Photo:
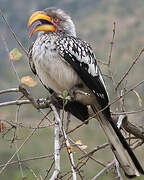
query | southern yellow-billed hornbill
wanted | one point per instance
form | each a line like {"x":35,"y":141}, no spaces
{"x":62,"y":61}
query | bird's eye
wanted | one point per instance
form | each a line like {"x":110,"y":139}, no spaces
{"x":56,"y":20}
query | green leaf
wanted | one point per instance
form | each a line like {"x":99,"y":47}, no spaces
{"x":65,"y":93}
{"x":66,"y":101}
{"x":68,"y":98}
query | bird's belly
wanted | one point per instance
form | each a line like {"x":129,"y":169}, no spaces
{"x":56,"y":75}
{"x":59,"y":76}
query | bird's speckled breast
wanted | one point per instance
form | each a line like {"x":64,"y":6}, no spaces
{"x":52,"y":70}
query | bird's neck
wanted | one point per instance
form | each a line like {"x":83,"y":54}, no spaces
{"x":55,"y":34}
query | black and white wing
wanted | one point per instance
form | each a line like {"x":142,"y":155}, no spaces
{"x":82,"y":59}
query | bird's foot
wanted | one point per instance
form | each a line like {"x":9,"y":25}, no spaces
{"x":82,"y":93}
{"x":74,"y":91}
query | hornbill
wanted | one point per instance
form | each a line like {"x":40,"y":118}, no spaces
{"x":62,"y":61}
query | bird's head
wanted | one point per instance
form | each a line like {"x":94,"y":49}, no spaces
{"x":51,"y":20}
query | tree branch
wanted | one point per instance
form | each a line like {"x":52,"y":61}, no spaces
{"x":12,"y":33}
{"x":56,"y":150}
{"x":66,"y":140}
{"x":134,"y":62}
{"x":112,"y":43}
{"x":28,"y":159}
{"x":103,"y":170}
{"x":9,"y":90}
{"x":132,"y":129}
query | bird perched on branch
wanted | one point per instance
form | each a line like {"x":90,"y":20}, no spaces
{"x":62,"y":61}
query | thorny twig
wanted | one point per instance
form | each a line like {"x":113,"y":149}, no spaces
{"x":49,"y":170}
{"x":33,"y":173}
{"x":89,"y":156}
{"x":118,"y":98}
{"x":14,"y":124}
{"x":11,"y":62}
{"x":12,"y":33}
{"x":28,"y":159}
{"x":103,"y":170}
{"x":127,"y":112}
{"x":112,"y":42}
{"x":15,"y":142}
{"x":94,"y":150}
{"x":134,"y":62}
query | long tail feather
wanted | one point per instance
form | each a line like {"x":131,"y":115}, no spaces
{"x":120,"y":147}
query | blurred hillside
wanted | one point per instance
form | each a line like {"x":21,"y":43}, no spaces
{"x":94,"y":23}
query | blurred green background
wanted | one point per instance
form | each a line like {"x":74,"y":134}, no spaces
{"x":94,"y":23}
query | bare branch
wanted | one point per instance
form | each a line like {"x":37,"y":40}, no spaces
{"x":103,"y":170}
{"x":17,"y":102}
{"x":70,"y":154}
{"x":132,"y":129}
{"x":138,"y":144}
{"x":89,"y":156}
{"x":33,"y":173}
{"x":14,"y":124}
{"x":118,"y":169}
{"x":94,"y":150}
{"x":134,"y":62}
{"x":118,"y":98}
{"x":49,"y":170}
{"x":12,"y":33}
{"x":37,"y":103}
{"x":41,"y":103}
{"x":111,"y":48}
{"x":25,"y":90}
{"x":112,"y":43}
{"x":56,"y":145}
{"x":128,"y":112}
{"x":9,"y":90}
{"x":28,"y":159}
{"x":15,"y":141}
{"x":11,"y":62}
{"x":66,"y":140}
